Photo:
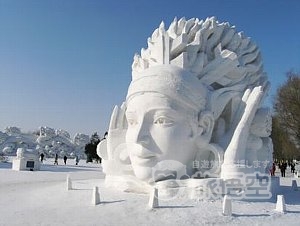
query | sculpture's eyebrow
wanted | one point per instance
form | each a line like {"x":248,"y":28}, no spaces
{"x":165,"y":111}
{"x":153,"y":109}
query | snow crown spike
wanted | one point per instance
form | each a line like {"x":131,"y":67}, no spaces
{"x":202,"y":47}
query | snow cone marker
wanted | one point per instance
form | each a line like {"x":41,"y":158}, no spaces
{"x":153,"y":200}
{"x":96,"y":196}
{"x":69,"y":183}
{"x":227,"y":206}
{"x":280,"y":205}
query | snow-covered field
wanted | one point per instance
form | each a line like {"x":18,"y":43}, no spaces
{"x":41,"y":198}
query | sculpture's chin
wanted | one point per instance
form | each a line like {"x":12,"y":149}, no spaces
{"x":143,"y":173}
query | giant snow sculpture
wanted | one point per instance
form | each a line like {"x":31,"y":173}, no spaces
{"x":193,"y":109}
{"x":49,"y":141}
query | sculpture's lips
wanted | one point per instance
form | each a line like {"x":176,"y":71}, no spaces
{"x":141,"y":156}
{"x":140,"y":151}
{"x":145,"y":162}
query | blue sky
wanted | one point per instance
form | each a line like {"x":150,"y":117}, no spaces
{"x":66,"y":63}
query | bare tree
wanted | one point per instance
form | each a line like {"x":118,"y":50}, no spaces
{"x":284,"y":148}
{"x":287,"y":112}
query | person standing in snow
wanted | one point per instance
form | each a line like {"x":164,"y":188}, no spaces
{"x":76,"y":159}
{"x":273,"y":169}
{"x":292,"y":167}
{"x":42,"y":157}
{"x":283,"y":166}
{"x":56,"y":159}
{"x":65,"y":159}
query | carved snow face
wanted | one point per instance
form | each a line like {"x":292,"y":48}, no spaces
{"x":158,"y":130}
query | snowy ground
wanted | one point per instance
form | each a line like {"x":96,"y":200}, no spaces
{"x":41,"y":198}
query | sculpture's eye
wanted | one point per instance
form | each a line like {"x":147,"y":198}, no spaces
{"x":162,"y":120}
{"x":131,"y":118}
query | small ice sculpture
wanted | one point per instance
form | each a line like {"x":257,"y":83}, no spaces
{"x":27,"y":159}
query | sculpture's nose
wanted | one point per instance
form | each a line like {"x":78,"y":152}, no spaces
{"x":143,"y":133}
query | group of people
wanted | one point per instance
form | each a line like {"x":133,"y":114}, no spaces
{"x":282,"y":165}
{"x":42,"y":156}
{"x":65,"y":159}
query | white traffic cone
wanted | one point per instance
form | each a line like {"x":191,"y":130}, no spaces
{"x":153,"y":199}
{"x":280,"y":205}
{"x":227,"y":206}
{"x":294,"y":185}
{"x":96,"y":196}
{"x":69,"y":183}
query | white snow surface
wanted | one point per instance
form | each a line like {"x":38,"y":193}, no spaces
{"x":41,"y":198}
